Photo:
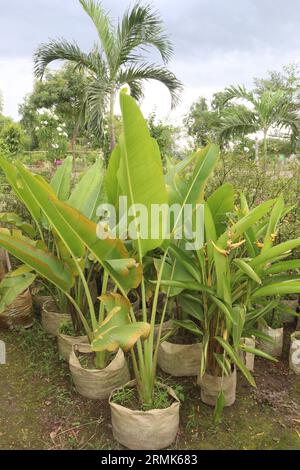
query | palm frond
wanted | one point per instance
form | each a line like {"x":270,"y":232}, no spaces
{"x":142,"y":27}
{"x":237,"y":92}
{"x":60,"y":49}
{"x":105,"y":29}
{"x":96,"y":104}
{"x":137,"y":73}
{"x":236,"y":122}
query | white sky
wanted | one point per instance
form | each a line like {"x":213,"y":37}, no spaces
{"x":217,"y":43}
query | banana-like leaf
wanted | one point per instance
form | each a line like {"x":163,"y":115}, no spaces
{"x":188,"y":325}
{"x":257,"y":352}
{"x":16,"y":183}
{"x":193,"y":286}
{"x":116,"y":331}
{"x":185,"y":261}
{"x":175,"y":272}
{"x":220,"y":203}
{"x":278,"y":288}
{"x":246,"y":269}
{"x":272,"y":253}
{"x":44,"y":263}
{"x":283,"y":266}
{"x":88,"y":193}
{"x":127,"y":272}
{"x":61,"y":181}
{"x":12,"y":286}
{"x":140,"y":173}
{"x":15,"y":220}
{"x":44,"y":197}
{"x":275,"y":217}
{"x":108,"y":252}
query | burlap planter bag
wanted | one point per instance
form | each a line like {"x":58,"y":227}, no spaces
{"x":40,"y":300}
{"x":248,"y":358}
{"x":145,"y":430}
{"x":274,"y":348}
{"x":97,"y":384}
{"x":294,"y":360}
{"x":65,"y":344}
{"x":211,"y":387}
{"x":19,"y":314}
{"x":180,"y":360}
{"x":52,"y":320}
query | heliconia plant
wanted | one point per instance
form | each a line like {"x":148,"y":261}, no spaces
{"x":234,"y":280}
{"x":126,"y":176}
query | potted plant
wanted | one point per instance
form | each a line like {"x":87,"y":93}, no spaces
{"x":78,"y":245}
{"x":56,"y":307}
{"x":294,"y":357}
{"x":15,"y":299}
{"x":272,"y":326}
{"x":231,"y":273}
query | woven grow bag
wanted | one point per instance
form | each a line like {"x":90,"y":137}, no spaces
{"x":97,"y":384}
{"x":52,"y":320}
{"x":19,"y":313}
{"x":145,"y":430}
{"x":211,"y":387}
{"x":180,"y":360}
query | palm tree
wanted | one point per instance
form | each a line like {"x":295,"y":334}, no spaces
{"x":269,"y":109}
{"x":118,"y":60}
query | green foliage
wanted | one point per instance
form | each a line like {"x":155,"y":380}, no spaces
{"x":12,"y":137}
{"x":164,"y":134}
{"x":274,"y":319}
{"x":116,"y":61}
{"x":52,"y":136}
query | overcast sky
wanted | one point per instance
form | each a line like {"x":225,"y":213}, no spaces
{"x":217,"y":42}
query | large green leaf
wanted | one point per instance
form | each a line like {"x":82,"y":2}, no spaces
{"x":12,"y":286}
{"x":277,"y":268}
{"x":245,"y":268}
{"x":61,"y":181}
{"x":272,"y":253}
{"x":23,"y":195}
{"x":278,"y":288}
{"x":43,"y":196}
{"x":14,"y":219}
{"x":175,"y":272}
{"x":88,"y":193}
{"x":140,"y":173}
{"x":41,"y":261}
{"x":220,"y":203}
{"x":275,"y":217}
{"x":116,"y":331}
{"x":108,"y":251}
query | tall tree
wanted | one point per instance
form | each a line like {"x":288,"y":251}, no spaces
{"x":61,"y":91}
{"x":264,"y":111}
{"x":118,"y":59}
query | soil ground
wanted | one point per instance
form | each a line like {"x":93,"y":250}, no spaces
{"x":39,"y":407}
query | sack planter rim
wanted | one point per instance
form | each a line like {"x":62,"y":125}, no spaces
{"x":151,"y":437}
{"x":97,"y":384}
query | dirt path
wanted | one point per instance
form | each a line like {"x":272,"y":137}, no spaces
{"x":39,"y":408}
